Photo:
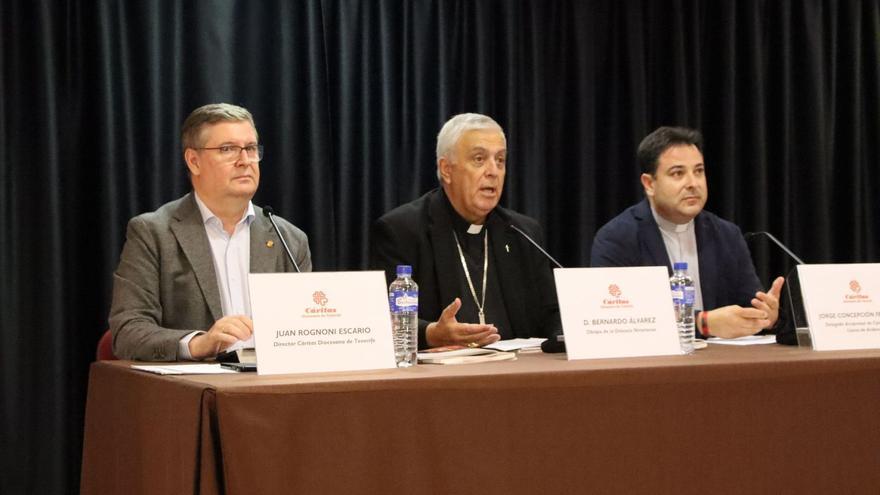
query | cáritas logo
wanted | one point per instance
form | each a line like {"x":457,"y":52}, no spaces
{"x":321,"y":309}
{"x":320,"y":298}
{"x":617,"y":300}
{"x":855,"y":295}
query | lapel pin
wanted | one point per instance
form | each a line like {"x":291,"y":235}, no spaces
{"x":507,"y":247}
{"x":270,"y":243}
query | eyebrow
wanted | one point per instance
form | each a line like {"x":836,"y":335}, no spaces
{"x":682,"y":165}
{"x":233,"y":143}
{"x":485,"y":150}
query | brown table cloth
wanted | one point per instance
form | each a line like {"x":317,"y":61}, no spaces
{"x":757,"y":419}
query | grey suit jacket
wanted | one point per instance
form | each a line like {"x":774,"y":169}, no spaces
{"x":165,"y":286}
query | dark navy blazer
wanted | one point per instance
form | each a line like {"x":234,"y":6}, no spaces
{"x":727,"y":274}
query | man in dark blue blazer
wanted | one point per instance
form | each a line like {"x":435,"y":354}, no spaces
{"x":670,"y":225}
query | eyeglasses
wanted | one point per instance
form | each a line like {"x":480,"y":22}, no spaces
{"x":231,"y":152}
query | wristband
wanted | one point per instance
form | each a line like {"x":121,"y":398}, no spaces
{"x":704,"y":328}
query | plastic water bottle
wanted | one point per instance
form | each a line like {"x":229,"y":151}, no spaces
{"x":403,"y":297}
{"x":683,"y":294}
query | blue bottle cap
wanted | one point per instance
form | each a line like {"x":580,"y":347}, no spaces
{"x":678,"y":265}
{"x":404,"y":270}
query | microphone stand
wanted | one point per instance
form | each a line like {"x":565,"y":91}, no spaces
{"x":269,"y":213}
{"x":556,"y":343}
{"x":796,"y":304}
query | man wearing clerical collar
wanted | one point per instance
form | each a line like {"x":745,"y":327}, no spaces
{"x":479,"y":280}
{"x":670,"y":225}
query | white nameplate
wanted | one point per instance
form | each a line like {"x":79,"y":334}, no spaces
{"x":616,"y":312}
{"x":321,"y":321}
{"x":842,"y":303}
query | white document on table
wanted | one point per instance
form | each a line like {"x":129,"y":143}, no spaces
{"x":517,"y":344}
{"x":183,"y":369}
{"x":241,"y":344}
{"x":747,"y":340}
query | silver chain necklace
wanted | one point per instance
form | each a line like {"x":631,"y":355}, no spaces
{"x":467,"y":274}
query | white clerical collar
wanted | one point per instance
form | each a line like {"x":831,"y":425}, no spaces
{"x":671,"y":227}
{"x":475,"y":229}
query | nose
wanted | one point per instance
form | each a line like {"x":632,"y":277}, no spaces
{"x":242,"y":160}
{"x":492,"y":167}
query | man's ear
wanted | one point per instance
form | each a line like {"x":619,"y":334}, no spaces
{"x":648,"y":184}
{"x":445,"y":168}
{"x":191,"y":157}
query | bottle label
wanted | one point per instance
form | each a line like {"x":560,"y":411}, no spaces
{"x":690,"y":294}
{"x":683,"y":294}
{"x":404,"y":301}
{"x":677,"y":294}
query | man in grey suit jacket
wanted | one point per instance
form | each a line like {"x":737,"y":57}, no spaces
{"x":180,"y":291}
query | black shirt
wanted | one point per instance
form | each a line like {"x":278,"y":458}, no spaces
{"x":472,"y":247}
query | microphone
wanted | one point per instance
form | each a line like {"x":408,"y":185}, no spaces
{"x":749,"y":235}
{"x":789,"y":332}
{"x":556,"y":343}
{"x":268,"y":212}
{"x":545,"y":253}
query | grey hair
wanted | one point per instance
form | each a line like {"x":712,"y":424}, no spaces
{"x":453,"y":129}
{"x":191,"y":133}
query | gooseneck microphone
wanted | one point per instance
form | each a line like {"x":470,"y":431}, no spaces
{"x":268,"y":212}
{"x":789,"y":331}
{"x":749,"y":235}
{"x":556,"y":343}
{"x":545,"y":253}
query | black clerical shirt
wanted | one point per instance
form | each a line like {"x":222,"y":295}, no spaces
{"x":472,"y":246}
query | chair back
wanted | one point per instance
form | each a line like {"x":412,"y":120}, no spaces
{"x":105,"y":348}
